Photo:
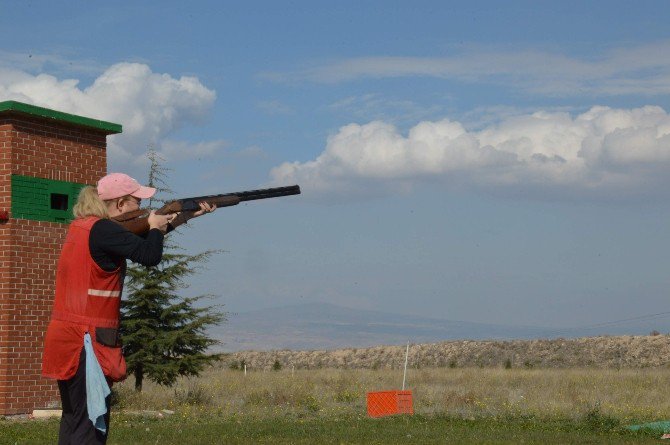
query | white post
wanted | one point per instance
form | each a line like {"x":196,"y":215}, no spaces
{"x":404,"y":374}
{"x":245,"y":369}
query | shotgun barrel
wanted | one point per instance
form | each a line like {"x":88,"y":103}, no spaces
{"x":136,"y":221}
{"x":227,"y":199}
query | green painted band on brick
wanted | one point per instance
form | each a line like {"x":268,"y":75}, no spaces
{"x":20,"y":107}
{"x":32,"y":198}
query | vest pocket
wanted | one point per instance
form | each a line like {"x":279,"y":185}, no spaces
{"x":108,"y":337}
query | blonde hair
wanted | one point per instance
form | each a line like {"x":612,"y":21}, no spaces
{"x":90,"y":204}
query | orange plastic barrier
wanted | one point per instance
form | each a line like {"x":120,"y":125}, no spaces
{"x":386,"y":403}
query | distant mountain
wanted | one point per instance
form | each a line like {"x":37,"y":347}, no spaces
{"x":328,"y":326}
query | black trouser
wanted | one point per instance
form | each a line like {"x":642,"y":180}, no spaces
{"x":75,"y":426}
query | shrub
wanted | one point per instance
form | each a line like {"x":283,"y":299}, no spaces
{"x":346,"y":396}
{"x":597,"y":421}
{"x":311,"y":404}
{"x":194,"y":394}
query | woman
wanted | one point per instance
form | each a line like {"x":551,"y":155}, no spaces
{"x":86,"y":310}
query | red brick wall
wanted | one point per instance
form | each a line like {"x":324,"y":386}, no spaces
{"x":29,"y":250}
{"x":5,"y":265}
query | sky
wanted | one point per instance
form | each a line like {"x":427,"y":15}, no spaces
{"x":497,"y":162}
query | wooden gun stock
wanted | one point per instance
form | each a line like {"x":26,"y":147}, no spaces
{"x":137,"y":220}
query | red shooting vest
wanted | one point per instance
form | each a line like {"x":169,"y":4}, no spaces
{"x":87,"y":297}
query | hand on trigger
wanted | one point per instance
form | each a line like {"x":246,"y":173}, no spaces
{"x":159,"y":222}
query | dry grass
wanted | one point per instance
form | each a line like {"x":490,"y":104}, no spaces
{"x":602,"y":352}
{"x":628,"y":395}
{"x":623,"y":378}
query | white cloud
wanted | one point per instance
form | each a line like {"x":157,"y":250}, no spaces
{"x":149,"y":105}
{"x":603,"y":150}
{"x":644,"y":69}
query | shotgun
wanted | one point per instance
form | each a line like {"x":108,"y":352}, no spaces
{"x":136,"y":221}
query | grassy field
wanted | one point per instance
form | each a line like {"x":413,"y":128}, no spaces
{"x":463,"y":405}
{"x":628,"y":395}
{"x":415,"y":429}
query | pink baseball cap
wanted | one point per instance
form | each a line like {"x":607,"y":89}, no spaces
{"x":116,"y":185}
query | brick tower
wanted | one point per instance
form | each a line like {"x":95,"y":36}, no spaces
{"x":46,"y":157}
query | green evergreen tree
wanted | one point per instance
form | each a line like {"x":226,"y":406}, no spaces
{"x":164,"y":334}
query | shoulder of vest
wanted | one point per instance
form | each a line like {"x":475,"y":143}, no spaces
{"x":85,"y":223}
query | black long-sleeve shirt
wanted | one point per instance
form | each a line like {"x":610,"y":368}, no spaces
{"x":110,"y":244}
